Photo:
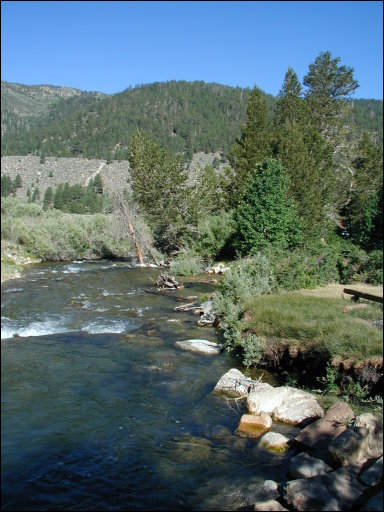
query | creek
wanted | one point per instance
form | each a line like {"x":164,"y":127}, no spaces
{"x":100,"y":411}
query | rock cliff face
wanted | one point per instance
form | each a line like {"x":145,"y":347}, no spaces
{"x":60,"y":170}
{"x":75,"y":170}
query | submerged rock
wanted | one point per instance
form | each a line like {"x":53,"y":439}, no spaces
{"x":201,"y":346}
{"x":275,"y":441}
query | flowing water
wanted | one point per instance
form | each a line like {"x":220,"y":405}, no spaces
{"x":100,"y":411}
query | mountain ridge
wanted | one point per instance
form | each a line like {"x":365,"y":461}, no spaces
{"x":187,"y":117}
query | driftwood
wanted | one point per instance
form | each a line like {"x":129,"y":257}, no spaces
{"x":187,"y":307}
{"x":186,"y":299}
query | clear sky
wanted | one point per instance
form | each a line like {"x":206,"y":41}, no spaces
{"x":109,"y":46}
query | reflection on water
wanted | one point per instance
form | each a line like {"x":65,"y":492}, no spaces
{"x":101,"y":412}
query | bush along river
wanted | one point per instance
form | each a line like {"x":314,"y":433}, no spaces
{"x":100,"y":410}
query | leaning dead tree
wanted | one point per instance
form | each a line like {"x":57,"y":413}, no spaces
{"x":129,"y":221}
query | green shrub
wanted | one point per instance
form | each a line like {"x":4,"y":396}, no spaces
{"x":305,"y":267}
{"x":246,"y":279}
{"x":372,"y":268}
{"x":214,"y":233}
{"x":186,"y":264}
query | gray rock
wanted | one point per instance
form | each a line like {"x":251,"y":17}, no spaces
{"x":320,"y":433}
{"x":337,"y":490}
{"x":234,"y":383}
{"x":305,"y":466}
{"x":201,"y":346}
{"x":375,"y":436}
{"x":350,"y":447}
{"x":374,"y":474}
{"x":286,"y":404}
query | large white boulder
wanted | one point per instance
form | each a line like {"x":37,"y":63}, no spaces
{"x":286,"y":404}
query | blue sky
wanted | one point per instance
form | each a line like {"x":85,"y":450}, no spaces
{"x":108,"y":46}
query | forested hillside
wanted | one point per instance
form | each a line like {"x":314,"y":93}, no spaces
{"x":22,"y":106}
{"x":186,"y":117}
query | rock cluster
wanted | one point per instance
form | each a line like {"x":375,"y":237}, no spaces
{"x":337,"y":458}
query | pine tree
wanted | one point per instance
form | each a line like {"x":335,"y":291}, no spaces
{"x":159,"y":186}
{"x":328,"y":89}
{"x":303,"y":154}
{"x":48,"y":198}
{"x":253,"y":145}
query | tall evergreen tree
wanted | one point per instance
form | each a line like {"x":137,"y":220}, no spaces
{"x":289,"y":104}
{"x":253,"y":145}
{"x":302,"y":152}
{"x":159,"y":186}
{"x":48,"y":198}
{"x":329,"y":86}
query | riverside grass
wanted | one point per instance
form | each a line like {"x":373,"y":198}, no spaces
{"x":316,"y":324}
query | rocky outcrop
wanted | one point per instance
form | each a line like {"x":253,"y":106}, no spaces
{"x":338,"y":490}
{"x":320,"y":433}
{"x":337,"y":459}
{"x":208,"y":317}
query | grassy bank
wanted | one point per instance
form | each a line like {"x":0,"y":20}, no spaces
{"x":306,"y":339}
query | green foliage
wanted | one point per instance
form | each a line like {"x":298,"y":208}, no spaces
{"x":9,"y":186}
{"x":247,"y":278}
{"x":214,"y":233}
{"x":159,"y":187}
{"x":186,"y":263}
{"x":329,"y":382}
{"x":363,"y":214}
{"x":313,"y":264}
{"x":53,"y":235}
{"x":48,"y":198}
{"x":253,"y":145}
{"x":78,"y":199}
{"x":266,"y":215}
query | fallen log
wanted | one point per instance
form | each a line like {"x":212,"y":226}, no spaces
{"x":362,"y":295}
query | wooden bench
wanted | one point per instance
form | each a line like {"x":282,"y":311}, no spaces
{"x":362,"y":295}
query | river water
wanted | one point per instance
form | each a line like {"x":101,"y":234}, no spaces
{"x":100,"y":411}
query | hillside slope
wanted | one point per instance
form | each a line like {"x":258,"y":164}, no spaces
{"x":23,"y":105}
